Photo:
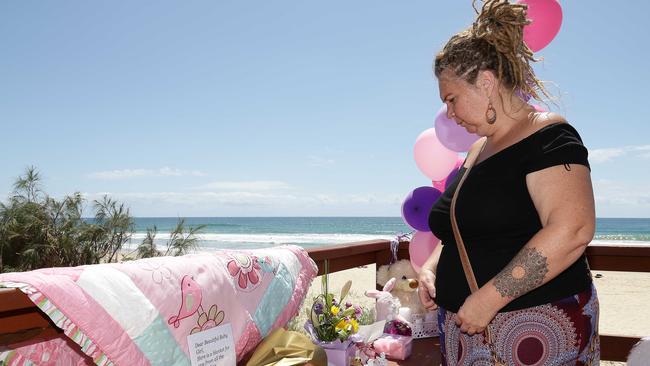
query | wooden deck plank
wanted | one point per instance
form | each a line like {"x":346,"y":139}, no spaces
{"x":425,"y":352}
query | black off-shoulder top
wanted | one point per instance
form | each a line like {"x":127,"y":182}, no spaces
{"x":496,"y":218}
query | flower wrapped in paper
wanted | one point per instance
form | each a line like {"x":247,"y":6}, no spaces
{"x":333,"y":324}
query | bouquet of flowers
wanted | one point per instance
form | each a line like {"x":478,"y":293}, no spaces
{"x":332,"y":319}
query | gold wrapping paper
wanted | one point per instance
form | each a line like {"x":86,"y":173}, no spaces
{"x":286,"y":348}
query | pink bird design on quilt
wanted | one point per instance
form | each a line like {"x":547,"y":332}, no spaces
{"x":190,"y":302}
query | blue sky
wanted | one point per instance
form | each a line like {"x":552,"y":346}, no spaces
{"x":225,"y":108}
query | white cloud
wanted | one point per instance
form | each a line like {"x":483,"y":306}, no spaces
{"x":609,"y":154}
{"x":254,"y":203}
{"x":166,"y":171}
{"x":621,"y":199}
{"x":134,"y":173}
{"x":120,"y":174}
{"x":603,"y":155}
{"x":361,"y":199}
{"x":257,"y":186}
{"x":246,"y":198}
{"x":318,"y":161}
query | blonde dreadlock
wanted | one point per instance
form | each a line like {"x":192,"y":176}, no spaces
{"x":494,"y":42}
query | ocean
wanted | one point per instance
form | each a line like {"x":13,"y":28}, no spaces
{"x":264,"y":232}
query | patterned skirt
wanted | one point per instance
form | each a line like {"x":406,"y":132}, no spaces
{"x":564,"y":332}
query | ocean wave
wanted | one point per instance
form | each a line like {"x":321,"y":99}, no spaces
{"x":222,"y":225}
{"x":623,"y":237}
{"x":210,"y":241}
{"x":612,"y":241}
{"x":273,"y":239}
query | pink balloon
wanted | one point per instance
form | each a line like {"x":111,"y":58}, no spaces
{"x":546,"y":20}
{"x":421,"y":247}
{"x":439,"y":185}
{"x":451,"y":135}
{"x":432,"y":157}
{"x":539,"y":108}
{"x":442,"y":184}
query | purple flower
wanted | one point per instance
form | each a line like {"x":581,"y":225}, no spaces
{"x":334,"y":302}
{"x":348,"y":304}
{"x":357,"y":309}
{"x":318,"y":308}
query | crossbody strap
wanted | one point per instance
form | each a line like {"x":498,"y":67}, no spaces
{"x":464,"y":259}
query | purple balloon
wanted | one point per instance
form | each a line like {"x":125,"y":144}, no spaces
{"x":451,"y":135}
{"x":524,"y":96}
{"x":417,"y":205}
{"x":450,"y":178}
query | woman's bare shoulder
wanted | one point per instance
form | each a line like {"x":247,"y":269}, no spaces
{"x":543,"y":119}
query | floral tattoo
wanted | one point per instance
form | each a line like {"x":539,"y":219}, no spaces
{"x":525,"y":272}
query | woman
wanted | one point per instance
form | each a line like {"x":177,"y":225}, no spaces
{"x":525,"y":211}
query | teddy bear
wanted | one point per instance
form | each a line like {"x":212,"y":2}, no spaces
{"x":406,"y":285}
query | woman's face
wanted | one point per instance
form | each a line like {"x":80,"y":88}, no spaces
{"x":466,"y":103}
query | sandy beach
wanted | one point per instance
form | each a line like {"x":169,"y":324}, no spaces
{"x":624,"y":298}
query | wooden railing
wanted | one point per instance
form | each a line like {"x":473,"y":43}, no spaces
{"x":21,"y":320}
{"x":603,"y":257}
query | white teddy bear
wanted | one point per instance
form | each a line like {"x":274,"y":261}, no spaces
{"x":406,"y":285}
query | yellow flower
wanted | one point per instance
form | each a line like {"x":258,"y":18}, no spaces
{"x":334,"y":310}
{"x":355,"y":325}
{"x":341,"y":325}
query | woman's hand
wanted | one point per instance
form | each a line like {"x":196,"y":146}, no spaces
{"x":476,"y":313}
{"x":427,"y":289}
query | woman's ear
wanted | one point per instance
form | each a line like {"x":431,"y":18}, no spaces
{"x":486,"y":82}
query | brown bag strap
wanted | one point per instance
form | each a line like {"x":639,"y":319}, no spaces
{"x":464,"y":259}
{"x":467,"y":267}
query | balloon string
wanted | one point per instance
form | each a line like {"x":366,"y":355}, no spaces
{"x":394,"y":245}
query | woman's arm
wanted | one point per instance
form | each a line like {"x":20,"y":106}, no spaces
{"x":565,"y":204}
{"x":427,"y":279}
{"x":432,"y":262}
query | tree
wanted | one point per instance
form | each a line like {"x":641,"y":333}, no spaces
{"x":3,"y":234}
{"x":147,"y":248}
{"x":117,"y":224}
{"x":38,"y":231}
{"x":28,"y":188}
{"x":181,"y":241}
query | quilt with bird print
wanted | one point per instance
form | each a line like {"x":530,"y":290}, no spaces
{"x":141,"y":312}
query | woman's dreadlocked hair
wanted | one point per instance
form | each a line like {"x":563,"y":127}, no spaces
{"x":494,"y":42}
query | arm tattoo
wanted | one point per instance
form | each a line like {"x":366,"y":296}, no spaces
{"x":525,"y":272}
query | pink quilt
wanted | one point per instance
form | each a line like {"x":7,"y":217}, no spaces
{"x":141,"y":312}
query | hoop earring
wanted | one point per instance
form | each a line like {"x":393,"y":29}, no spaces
{"x":491,"y":114}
